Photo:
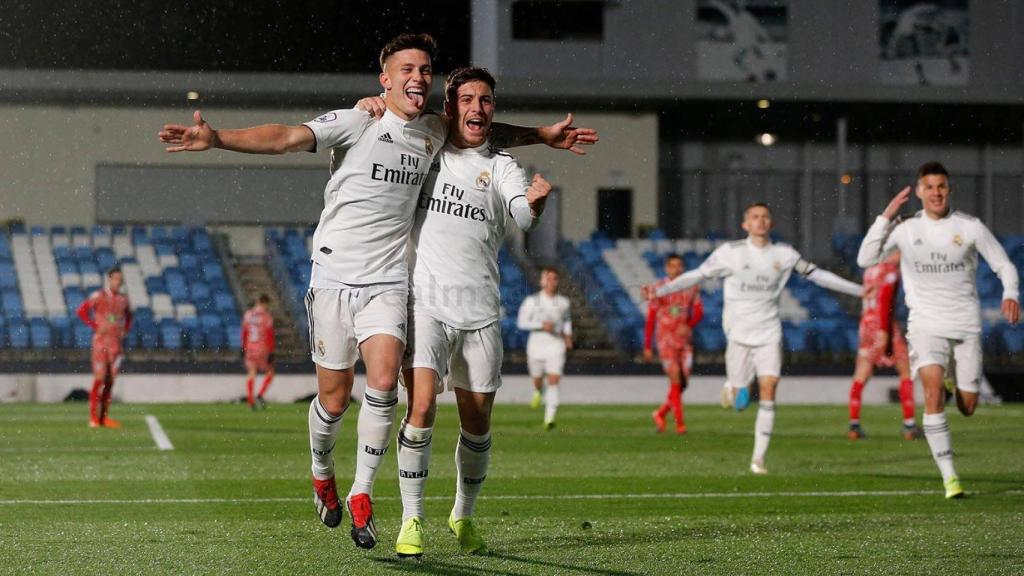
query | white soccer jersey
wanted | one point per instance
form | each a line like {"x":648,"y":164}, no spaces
{"x":754,"y":280}
{"x":539,"y":308}
{"x":939,"y":263}
{"x":459,"y":227}
{"x":377,"y":169}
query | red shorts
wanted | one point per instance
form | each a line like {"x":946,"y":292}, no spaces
{"x":106,"y":360}
{"x":259,"y":361}
{"x":677,"y":359}
{"x":877,"y":349}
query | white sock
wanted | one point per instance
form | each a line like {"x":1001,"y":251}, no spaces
{"x":763,"y":429}
{"x":413,"y":467}
{"x":472,"y":455}
{"x":550,"y":403}
{"x":936,"y":430}
{"x":323,"y":431}
{"x":376,"y":422}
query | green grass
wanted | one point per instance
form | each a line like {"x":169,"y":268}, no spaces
{"x":258,"y":466}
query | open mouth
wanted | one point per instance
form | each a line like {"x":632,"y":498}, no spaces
{"x":475,"y":125}
{"x":416,"y":95}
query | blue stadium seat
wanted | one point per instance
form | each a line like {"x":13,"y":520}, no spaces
{"x":18,"y":335}
{"x":83,"y":335}
{"x":40,"y":333}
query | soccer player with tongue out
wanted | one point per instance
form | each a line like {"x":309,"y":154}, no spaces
{"x":357,"y":299}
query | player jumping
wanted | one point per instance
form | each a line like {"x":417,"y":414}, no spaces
{"x":547,"y":316}
{"x":939,"y":250}
{"x":882,"y":344}
{"x":109,"y":314}
{"x":258,"y":346}
{"x":675,"y":316}
{"x":756,"y":271}
{"x":357,"y":301}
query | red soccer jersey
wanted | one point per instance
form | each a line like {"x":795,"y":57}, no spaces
{"x":881,"y":281}
{"x":675,"y":315}
{"x":109,"y":315}
{"x":257,"y":332}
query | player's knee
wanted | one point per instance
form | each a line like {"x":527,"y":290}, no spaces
{"x":421,"y":413}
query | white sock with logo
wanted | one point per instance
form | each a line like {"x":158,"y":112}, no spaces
{"x":413,"y":467}
{"x":472,"y":456}
{"x":936,"y":430}
{"x":376,"y":422}
{"x":323,"y":432}
{"x":550,"y":403}
{"x":763,"y":429}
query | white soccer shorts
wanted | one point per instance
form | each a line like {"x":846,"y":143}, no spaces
{"x":541,"y":360}
{"x":743,"y":363}
{"x":342,"y":319}
{"x":926,"y":350}
{"x":467,"y":359}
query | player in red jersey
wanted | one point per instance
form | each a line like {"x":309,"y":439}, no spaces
{"x":258,"y":346}
{"x":675,"y":316}
{"x":107,"y":312}
{"x":882,"y":344}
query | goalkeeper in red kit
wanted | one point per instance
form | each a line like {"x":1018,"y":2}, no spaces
{"x":258,"y":346}
{"x":674,"y":316}
{"x":108,"y":313}
{"x":882,"y":344}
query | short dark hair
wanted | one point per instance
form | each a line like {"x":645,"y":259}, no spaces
{"x":263,"y":299}
{"x":931,"y":168}
{"x":464,"y":75}
{"x":757,"y":205}
{"x":113,"y":270}
{"x":673,"y":256}
{"x":424,"y":42}
{"x":550,"y":269}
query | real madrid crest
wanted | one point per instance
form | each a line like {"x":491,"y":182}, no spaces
{"x":483,"y":180}
{"x":320,"y":347}
{"x":958,"y":240}
{"x":428,"y":145}
{"x":777,"y":265}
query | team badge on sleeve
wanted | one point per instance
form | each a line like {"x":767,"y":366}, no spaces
{"x":483,"y":180}
{"x":329,"y":117}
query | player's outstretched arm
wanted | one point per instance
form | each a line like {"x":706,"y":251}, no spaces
{"x":266,"y":139}
{"x":878,"y":242}
{"x":562,"y":135}
{"x":835,"y":283}
{"x":682,"y":282}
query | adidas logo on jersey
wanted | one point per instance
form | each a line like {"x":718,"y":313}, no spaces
{"x":918,"y":242}
{"x":386,"y":137}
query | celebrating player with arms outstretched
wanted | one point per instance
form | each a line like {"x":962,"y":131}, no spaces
{"x":939,"y":250}
{"x":756,"y":271}
{"x":882,"y":344}
{"x":675,"y":316}
{"x":546,"y":315}
{"x":258,"y":346}
{"x":359,"y":283}
{"x":108,"y":313}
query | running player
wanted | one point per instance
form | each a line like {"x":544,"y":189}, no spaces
{"x":109,"y":314}
{"x":357,"y":301}
{"x":675,"y":316}
{"x":939,"y":250}
{"x":882,"y":344}
{"x":455,"y":308}
{"x":756,"y":271}
{"x":547,"y":316}
{"x":258,"y":346}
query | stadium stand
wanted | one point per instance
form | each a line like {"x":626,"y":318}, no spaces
{"x":174,"y":279}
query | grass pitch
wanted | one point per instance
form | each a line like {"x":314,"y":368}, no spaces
{"x":602,"y":494}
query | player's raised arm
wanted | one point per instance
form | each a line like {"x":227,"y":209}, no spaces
{"x":878,"y":242}
{"x":265,"y":139}
{"x":993,"y":253}
{"x":562,"y":135}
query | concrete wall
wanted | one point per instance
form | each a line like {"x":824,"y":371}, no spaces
{"x":52,"y":154}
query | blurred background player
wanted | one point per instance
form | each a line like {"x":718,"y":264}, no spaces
{"x":939,"y":250}
{"x":882,"y":344}
{"x":108,"y":313}
{"x":258,"y":346}
{"x":546,"y":315}
{"x":756,"y":271}
{"x":674,"y":317}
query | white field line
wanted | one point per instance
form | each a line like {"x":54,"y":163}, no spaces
{"x":157,"y":431}
{"x":518,"y":497}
